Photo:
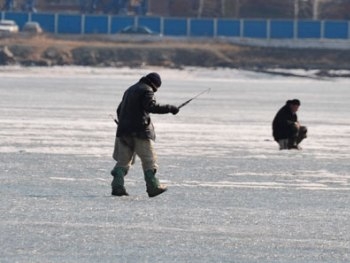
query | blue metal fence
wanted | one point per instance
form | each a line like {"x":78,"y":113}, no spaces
{"x":201,"y":27}
{"x":175,"y":27}
{"x":69,"y":24}
{"x":151,"y":22}
{"x":255,"y":28}
{"x":228,"y":28}
{"x":309,"y":29}
{"x":96,"y":24}
{"x":20,"y":18}
{"x":47,"y":21}
{"x":336,"y":29}
{"x":281,"y":29}
{"x":119,"y":22}
{"x":190,"y":27}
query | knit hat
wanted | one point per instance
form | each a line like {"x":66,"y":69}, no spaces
{"x":294,"y":102}
{"x":155,"y":79}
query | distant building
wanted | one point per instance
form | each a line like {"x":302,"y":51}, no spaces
{"x":24,"y":5}
{"x":282,"y":9}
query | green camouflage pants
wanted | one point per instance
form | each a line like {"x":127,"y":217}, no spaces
{"x":126,"y":147}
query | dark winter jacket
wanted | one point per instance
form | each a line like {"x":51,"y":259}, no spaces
{"x":283,"y":123}
{"x":134,"y":111}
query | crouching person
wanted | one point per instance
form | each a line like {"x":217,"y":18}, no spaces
{"x":286,"y":130}
{"x":135,"y":134}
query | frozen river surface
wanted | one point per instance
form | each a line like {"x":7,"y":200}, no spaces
{"x":233,"y":196}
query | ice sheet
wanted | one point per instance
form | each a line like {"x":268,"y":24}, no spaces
{"x":233,"y":196}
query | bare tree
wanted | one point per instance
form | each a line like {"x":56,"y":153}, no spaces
{"x":237,"y":8}
{"x":296,"y":9}
{"x":200,"y":8}
{"x":315,"y":9}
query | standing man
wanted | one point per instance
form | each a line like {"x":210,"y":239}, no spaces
{"x":135,"y":134}
{"x":286,"y":130}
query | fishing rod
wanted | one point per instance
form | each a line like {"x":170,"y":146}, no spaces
{"x":188,"y":101}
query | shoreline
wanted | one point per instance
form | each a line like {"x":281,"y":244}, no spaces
{"x":227,"y":74}
{"x":98,"y":51}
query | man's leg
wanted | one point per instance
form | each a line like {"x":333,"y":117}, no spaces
{"x":144,"y":149}
{"x":293,"y":136}
{"x":115,"y":151}
{"x":302,"y":134}
{"x":298,"y":134}
{"x":117,"y":184}
{"x":283,"y":143}
{"x":124,"y":155}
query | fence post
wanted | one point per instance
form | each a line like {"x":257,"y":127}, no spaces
{"x":215,"y":29}
{"x":162,"y":26}
{"x":188,"y":27}
{"x":295,"y":29}
{"x":56,"y":22}
{"x":109,"y":29}
{"x":241,"y":28}
{"x":322,"y":29}
{"x":82,"y":28}
{"x":268,"y":29}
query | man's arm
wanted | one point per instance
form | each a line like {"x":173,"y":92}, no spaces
{"x":150,"y":105}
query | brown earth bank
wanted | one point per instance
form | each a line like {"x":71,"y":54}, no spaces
{"x":49,"y":50}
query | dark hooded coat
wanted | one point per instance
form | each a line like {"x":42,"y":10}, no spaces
{"x":134,"y":110}
{"x":283,"y":123}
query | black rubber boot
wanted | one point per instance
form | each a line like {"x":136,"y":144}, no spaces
{"x":117,"y":184}
{"x":153,"y":186}
{"x":302,"y":134}
{"x":292,"y":144}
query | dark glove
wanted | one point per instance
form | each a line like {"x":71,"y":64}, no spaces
{"x":173,"y":109}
